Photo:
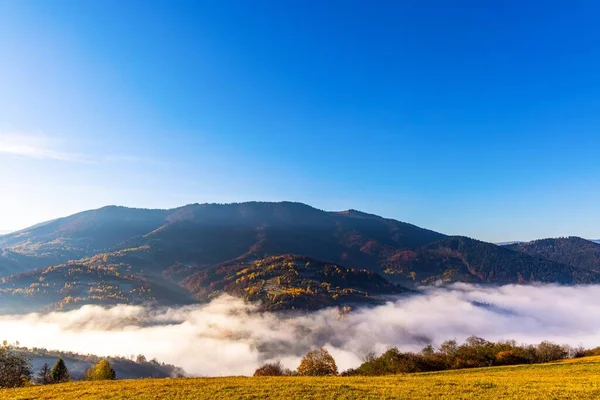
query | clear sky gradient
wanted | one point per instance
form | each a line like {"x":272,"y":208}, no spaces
{"x":479,"y":118}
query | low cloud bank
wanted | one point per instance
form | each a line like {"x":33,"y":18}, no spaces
{"x":228,"y":337}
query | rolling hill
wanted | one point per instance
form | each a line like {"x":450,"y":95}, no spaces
{"x":79,"y":363}
{"x":256,"y":250}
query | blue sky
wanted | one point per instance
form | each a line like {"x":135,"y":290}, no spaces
{"x":467,"y":117}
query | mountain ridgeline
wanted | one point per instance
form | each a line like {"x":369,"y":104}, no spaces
{"x":284,"y":255}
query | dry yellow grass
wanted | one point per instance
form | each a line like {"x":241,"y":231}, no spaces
{"x":572,"y":379}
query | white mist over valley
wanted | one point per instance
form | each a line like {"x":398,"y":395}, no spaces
{"x":230,"y":337}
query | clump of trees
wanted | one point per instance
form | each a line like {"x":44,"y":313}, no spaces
{"x":474,"y":352}
{"x":100,"y":372}
{"x":15,"y":369}
{"x":315,"y":363}
{"x":59,"y":373}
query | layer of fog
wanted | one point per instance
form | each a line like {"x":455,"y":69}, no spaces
{"x":228,"y":337}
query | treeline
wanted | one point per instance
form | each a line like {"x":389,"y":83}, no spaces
{"x":475,"y":352}
{"x":138,"y":359}
{"x":16,"y":367}
{"x":15,"y":370}
{"x":315,"y":363}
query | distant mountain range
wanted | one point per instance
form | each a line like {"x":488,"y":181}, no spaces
{"x":285,"y":255}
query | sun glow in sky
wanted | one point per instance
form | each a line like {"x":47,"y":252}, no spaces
{"x":473,"y":118}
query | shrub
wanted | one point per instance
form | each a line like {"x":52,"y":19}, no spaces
{"x":272,"y":369}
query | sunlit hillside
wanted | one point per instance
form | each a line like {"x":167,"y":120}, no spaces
{"x":571,"y":379}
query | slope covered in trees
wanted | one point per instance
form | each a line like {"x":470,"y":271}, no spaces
{"x":207,"y":234}
{"x":121,"y":255}
{"x":291,"y":282}
{"x":461,"y":259}
{"x":575,"y":251}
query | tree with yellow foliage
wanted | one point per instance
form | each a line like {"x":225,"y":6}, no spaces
{"x":318,"y":363}
{"x":100,"y":372}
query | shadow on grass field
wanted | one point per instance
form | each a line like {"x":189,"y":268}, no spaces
{"x":571,"y":379}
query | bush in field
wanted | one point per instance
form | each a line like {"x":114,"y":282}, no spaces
{"x":100,"y":372}
{"x":15,"y":370}
{"x":60,"y":372}
{"x":272,"y":369}
{"x":317,"y":363}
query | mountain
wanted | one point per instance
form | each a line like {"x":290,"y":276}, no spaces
{"x":210,"y":234}
{"x":116,"y":254}
{"x":80,"y":235}
{"x":286,"y":255}
{"x":575,"y":251}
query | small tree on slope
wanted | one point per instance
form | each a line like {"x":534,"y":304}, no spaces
{"x":45,"y":375}
{"x":100,"y":372}
{"x":60,"y":372}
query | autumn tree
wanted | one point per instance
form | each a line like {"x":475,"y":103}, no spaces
{"x":317,"y":363}
{"x":60,"y":372}
{"x":100,"y":372}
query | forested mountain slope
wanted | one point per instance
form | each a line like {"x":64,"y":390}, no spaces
{"x":122,"y":255}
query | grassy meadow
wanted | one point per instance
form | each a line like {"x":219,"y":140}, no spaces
{"x":570,"y":379}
